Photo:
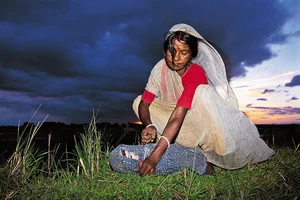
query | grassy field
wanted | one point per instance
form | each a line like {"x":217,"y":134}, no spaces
{"x":86,"y":174}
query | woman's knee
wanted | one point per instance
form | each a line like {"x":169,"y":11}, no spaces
{"x":136,"y":103}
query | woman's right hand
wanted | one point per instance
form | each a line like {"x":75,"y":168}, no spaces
{"x":148,"y":134}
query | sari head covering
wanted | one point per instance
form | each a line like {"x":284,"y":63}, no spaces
{"x":212,"y":62}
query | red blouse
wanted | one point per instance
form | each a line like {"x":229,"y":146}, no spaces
{"x":191,"y":79}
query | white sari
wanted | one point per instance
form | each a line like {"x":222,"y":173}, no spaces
{"x":214,"y":123}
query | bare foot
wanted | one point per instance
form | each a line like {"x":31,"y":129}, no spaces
{"x":210,"y":169}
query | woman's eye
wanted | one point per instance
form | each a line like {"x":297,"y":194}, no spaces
{"x":185,"y":52}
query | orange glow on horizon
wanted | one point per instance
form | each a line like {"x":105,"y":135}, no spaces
{"x":260,"y":117}
{"x":138,"y":122}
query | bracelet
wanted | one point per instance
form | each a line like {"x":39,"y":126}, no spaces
{"x":151,"y":125}
{"x":166,"y":140}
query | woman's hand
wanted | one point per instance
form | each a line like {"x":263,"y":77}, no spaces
{"x":147,"y":166}
{"x":148,"y":134}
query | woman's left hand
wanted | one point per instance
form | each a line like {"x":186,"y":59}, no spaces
{"x":147,"y":167}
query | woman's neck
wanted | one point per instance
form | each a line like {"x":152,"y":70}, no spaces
{"x":182,"y":71}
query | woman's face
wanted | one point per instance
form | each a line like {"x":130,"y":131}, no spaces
{"x":182,"y":56}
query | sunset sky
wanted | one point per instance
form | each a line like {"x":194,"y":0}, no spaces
{"x":75,"y":56}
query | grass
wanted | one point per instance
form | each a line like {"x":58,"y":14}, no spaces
{"x":88,"y":150}
{"x":278,"y":178}
{"x":87,"y":175}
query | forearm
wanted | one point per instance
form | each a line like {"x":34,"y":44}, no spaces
{"x":144,"y":113}
{"x":170,"y":132}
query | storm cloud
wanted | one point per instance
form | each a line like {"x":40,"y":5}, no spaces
{"x":73,"y":57}
{"x":294,"y":82}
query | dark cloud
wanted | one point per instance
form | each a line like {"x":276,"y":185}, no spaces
{"x":267,"y":91}
{"x":248,"y":105}
{"x":294,"y":98}
{"x":294,"y":82}
{"x":288,"y":110}
{"x":76,"y":56}
{"x":261,"y":99}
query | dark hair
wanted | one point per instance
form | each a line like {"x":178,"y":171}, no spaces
{"x":180,"y":36}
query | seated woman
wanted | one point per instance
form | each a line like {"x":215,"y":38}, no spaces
{"x":188,"y":101}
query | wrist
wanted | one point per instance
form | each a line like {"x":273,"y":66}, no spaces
{"x":157,"y":153}
{"x":167,"y":140}
{"x":151,"y":125}
{"x":155,"y":157}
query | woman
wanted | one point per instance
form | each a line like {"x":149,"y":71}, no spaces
{"x":188,"y":101}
